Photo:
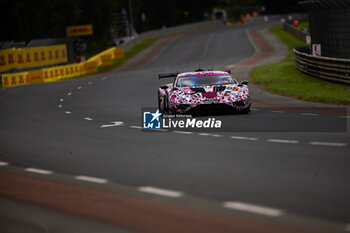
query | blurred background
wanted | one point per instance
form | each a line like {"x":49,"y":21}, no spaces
{"x":27,"y":20}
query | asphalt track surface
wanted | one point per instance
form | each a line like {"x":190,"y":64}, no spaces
{"x":57,"y":126}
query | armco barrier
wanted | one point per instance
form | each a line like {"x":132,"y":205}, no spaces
{"x":295,"y":31}
{"x":333,"y":69}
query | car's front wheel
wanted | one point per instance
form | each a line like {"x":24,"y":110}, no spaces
{"x":246,"y":110}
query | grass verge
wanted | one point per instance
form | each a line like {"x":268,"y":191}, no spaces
{"x":283,"y":78}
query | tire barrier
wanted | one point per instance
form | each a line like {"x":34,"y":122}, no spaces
{"x":57,"y":73}
{"x":332,"y":69}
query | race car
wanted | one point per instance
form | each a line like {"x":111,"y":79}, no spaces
{"x":203,"y":90}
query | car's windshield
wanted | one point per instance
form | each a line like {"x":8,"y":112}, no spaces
{"x":192,"y":81}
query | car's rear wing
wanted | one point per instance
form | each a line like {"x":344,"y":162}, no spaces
{"x":170,"y":75}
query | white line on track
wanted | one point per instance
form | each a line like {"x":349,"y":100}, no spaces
{"x":254,"y":109}
{"x":327,"y":143}
{"x":253,"y":208}
{"x":70,"y":93}
{"x":282,"y":141}
{"x":88,"y":118}
{"x":277,"y":111}
{"x":183,"y":132}
{"x":216,"y":135}
{"x":159,"y":191}
{"x":68,"y":112}
{"x":204,"y":134}
{"x":161,"y":130}
{"x":104,"y":78}
{"x":308,"y":114}
{"x":345,"y":116}
{"x":39,"y":171}
{"x":91,"y":179}
{"x":60,"y":106}
{"x":244,"y":138}
{"x":89,"y":83}
{"x":3,"y":163}
{"x":114,"y":123}
{"x":80,"y":87}
{"x":135,"y":127}
{"x":61,"y":100}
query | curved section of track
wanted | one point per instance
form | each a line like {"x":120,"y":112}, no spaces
{"x":58,"y":126}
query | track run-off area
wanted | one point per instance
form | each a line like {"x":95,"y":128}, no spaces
{"x":77,"y":147}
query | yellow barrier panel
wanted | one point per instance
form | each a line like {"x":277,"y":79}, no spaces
{"x":67,"y":71}
{"x":5,"y":78}
{"x":48,"y":75}
{"x":7,"y":59}
{"x":22,"y":78}
{"x":3,"y":66}
{"x":81,"y":68}
{"x":43,"y":56}
{"x":118,"y":53}
{"x":52,"y":74}
{"x":96,"y":58}
{"x":63,"y":51}
{"x":36,"y":56}
{"x":57,"y":73}
{"x":80,"y":30}
{"x":72,"y":70}
{"x":90,"y":67}
{"x":35,"y":76}
{"x":20,"y":57}
{"x":106,"y":59}
{"x":48,"y":55}
{"x":32,"y":57}
{"x":13,"y":80}
{"x":28,"y":58}
{"x":62,"y":72}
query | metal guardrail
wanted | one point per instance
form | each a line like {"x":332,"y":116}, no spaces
{"x":295,"y":31}
{"x":332,"y":69}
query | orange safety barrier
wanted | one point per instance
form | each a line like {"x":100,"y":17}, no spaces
{"x":296,"y":23}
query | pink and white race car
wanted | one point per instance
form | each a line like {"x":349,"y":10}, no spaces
{"x":203,"y":90}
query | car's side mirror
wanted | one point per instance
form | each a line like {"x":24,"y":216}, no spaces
{"x":164,"y":87}
{"x":244,"y":82}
